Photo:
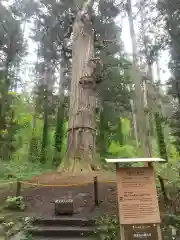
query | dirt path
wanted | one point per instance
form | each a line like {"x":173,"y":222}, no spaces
{"x":40,"y":199}
{"x":68,"y":178}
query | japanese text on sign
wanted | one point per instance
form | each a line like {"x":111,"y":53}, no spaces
{"x":137,"y":196}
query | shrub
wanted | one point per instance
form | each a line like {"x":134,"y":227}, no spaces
{"x":107,"y":228}
{"x":15,"y":203}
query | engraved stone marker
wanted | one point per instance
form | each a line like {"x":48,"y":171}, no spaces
{"x":64,"y":206}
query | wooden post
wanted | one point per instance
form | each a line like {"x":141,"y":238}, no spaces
{"x":122,"y":235}
{"x":159,"y":232}
{"x":96,"y":199}
{"x":122,"y":232}
{"x":18,"y":189}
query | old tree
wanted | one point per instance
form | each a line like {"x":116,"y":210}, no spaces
{"x":92,"y":32}
{"x":82,"y":117}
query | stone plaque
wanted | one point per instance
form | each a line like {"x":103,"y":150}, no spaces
{"x":64,"y":207}
{"x":137,"y":196}
{"x":141,"y":232}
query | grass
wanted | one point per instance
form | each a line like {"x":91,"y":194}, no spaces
{"x":15,"y":170}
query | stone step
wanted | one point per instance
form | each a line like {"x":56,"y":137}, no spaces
{"x":55,"y":231}
{"x":63,"y":221}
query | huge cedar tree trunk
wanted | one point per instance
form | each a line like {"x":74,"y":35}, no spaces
{"x":81,"y":126}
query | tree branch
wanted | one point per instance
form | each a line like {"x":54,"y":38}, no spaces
{"x":87,"y":7}
{"x":90,"y":3}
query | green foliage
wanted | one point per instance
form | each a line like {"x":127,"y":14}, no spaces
{"x":160,"y":136}
{"x":175,"y":126}
{"x":107,"y":228}
{"x":123,"y":131}
{"x":170,"y":170}
{"x":19,"y":165}
{"x":24,"y":169}
{"x":172,"y":220}
{"x":103,"y":135}
{"x":33,"y":135}
{"x":15,"y":203}
{"x":59,"y":134}
{"x":125,"y":151}
{"x":170,"y":11}
{"x":27,"y":225}
{"x":36,"y":137}
{"x":27,"y":236}
{"x":12,"y":50}
{"x":127,"y":148}
{"x":3,"y":170}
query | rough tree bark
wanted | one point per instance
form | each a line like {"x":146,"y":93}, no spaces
{"x":82,"y":126}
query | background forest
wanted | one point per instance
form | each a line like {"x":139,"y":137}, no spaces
{"x":34,"y":109}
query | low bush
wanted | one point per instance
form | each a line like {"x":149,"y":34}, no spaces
{"x":107,"y":228}
{"x":15,"y":203}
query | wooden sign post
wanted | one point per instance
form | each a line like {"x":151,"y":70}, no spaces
{"x":138,"y":201}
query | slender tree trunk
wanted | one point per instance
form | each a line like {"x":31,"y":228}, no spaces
{"x":120,"y":133}
{"x":59,"y":120}
{"x":82,"y":117}
{"x":135,"y":131}
{"x":149,"y":84}
{"x":33,"y":153}
{"x":147,"y":137}
{"x":159,"y":116}
{"x":159,"y":83}
{"x":48,"y":92}
{"x":102,"y":139}
{"x":160,"y":136}
{"x":44,"y":146}
{"x":4,"y":94}
{"x":4,"y":101}
{"x":135,"y":60}
{"x":132,"y":32}
{"x":140,"y":98}
{"x":153,"y":111}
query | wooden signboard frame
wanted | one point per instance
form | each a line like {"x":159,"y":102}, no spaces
{"x":136,"y":187}
{"x":137,"y":196}
{"x":137,"y":200}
